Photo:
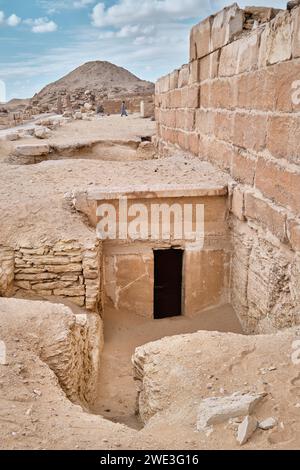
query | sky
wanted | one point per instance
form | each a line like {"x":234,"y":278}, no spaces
{"x":42,"y":40}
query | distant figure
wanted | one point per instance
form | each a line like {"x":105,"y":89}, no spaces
{"x":99,"y":109}
{"x":123,"y":110}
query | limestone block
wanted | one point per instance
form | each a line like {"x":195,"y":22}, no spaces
{"x":267,"y":424}
{"x":42,"y":133}
{"x":13,"y":136}
{"x":70,"y":292}
{"x":164,"y":84}
{"x":174,"y":79}
{"x":183,"y":78}
{"x":67,"y":268}
{"x":200,"y":39}
{"x":69,"y":277}
{"x":51,"y":260}
{"x":240,"y":56}
{"x":26,"y":285}
{"x":237,"y":203}
{"x":77,"y":301}
{"x":52,"y":285}
{"x":36,"y":150}
{"x":276,"y":40}
{"x":217,"y":410}
{"x":226,"y":25}
{"x":32,"y":251}
{"x":36,"y":277}
{"x":246,"y":429}
{"x":296,"y":32}
{"x":267,"y":214}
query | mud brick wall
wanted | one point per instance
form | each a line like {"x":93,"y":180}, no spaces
{"x":237,"y":105}
{"x":67,"y":269}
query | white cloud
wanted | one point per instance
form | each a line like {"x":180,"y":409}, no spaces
{"x":83,"y":3}
{"x":128,"y":31}
{"x":41,"y":25}
{"x":160,"y":11}
{"x":56,"y":6}
{"x":147,"y":11}
{"x":2,"y":17}
{"x":13,"y":20}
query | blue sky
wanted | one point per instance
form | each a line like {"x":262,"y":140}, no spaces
{"x":42,"y":40}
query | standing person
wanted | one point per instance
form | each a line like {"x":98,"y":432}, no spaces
{"x":123,"y":110}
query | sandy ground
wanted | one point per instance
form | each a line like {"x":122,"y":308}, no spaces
{"x":98,"y":128}
{"x":33,"y":198}
{"x":35,"y":413}
{"x":124,"y":332}
{"x":35,"y":208}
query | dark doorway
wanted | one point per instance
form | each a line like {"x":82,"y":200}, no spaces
{"x":167,"y":283}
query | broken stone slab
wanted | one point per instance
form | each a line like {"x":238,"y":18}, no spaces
{"x":42,"y":133}
{"x":217,"y":410}
{"x":35,"y":150}
{"x":246,"y":429}
{"x":78,"y":115}
{"x":267,"y":424}
{"x":13,"y":136}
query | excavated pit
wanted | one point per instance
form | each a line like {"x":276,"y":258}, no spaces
{"x":123,"y":333}
{"x":132,"y":150}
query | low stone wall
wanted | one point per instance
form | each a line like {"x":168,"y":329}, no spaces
{"x":237,"y":105}
{"x":69,"y":344}
{"x":66,"y":269}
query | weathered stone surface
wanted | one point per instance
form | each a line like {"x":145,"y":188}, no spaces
{"x":13,"y":136}
{"x":78,"y":115}
{"x":226,"y":25}
{"x":267,"y":214}
{"x":267,"y":424}
{"x":296,"y":32}
{"x":219,"y":409}
{"x":237,"y":203}
{"x":70,"y":344}
{"x":246,"y":429}
{"x":200,"y":38}
{"x":183,"y":77}
{"x":42,"y":133}
{"x":70,"y":292}
{"x":276,"y":40}
{"x":35,"y":150}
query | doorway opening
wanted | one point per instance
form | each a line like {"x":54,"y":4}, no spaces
{"x":167,"y":283}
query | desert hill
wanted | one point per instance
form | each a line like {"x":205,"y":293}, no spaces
{"x":105,"y":80}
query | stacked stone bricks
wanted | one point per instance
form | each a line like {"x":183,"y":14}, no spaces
{"x":237,"y":104}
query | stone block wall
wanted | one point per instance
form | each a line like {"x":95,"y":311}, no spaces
{"x":237,"y":105}
{"x":67,"y":269}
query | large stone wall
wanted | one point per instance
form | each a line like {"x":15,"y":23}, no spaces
{"x":67,"y":269}
{"x":237,"y":104}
